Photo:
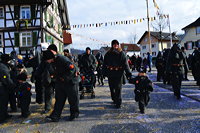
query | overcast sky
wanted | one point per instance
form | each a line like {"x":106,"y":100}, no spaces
{"x":181,"y":12}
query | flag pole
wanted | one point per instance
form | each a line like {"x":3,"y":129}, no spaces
{"x":148,"y":23}
{"x":171,"y":43}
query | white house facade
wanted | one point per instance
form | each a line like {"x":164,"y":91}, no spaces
{"x":157,"y":44}
{"x":191,"y":37}
{"x":25,"y":24}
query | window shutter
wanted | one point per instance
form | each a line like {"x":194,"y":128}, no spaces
{"x":52,"y":40}
{"x":60,"y":47}
{"x":17,"y":39}
{"x":45,"y":15}
{"x":34,"y":39}
{"x":59,"y":27}
{"x":51,"y":22}
{"x":33,"y":13}
{"x":193,"y":44}
{"x":16,"y":12}
{"x":196,"y":44}
{"x":46,"y":37}
{"x":185,"y":45}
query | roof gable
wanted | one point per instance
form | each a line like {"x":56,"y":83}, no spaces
{"x":194,"y":24}
{"x":164,"y":36}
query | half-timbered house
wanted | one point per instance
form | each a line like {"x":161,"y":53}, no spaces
{"x":25,"y":24}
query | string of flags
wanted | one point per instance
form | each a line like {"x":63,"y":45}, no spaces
{"x":105,"y":24}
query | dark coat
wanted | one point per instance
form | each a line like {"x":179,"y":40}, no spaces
{"x":65,"y":70}
{"x":115,"y":63}
{"x":6,"y":84}
{"x":159,"y":62}
{"x":24,"y":90}
{"x":143,"y":86}
{"x":88,"y":62}
{"x":176,"y":60}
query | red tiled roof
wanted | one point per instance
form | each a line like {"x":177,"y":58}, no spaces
{"x":130,"y":47}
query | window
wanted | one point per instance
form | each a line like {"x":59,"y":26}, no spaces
{"x":25,"y":12}
{"x":153,"y":53}
{"x":1,"y":13}
{"x":153,"y":45}
{"x":198,"y":44}
{"x":1,"y":39}
{"x":189,"y":46}
{"x":146,"y":39}
{"x":26,"y":39}
{"x":143,"y":47}
{"x":198,"y":30}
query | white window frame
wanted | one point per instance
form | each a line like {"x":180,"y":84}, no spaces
{"x":26,"y":10}
{"x":1,"y":39}
{"x":198,"y":30}
{"x":144,"y":47}
{"x":2,"y":15}
{"x":26,"y":37}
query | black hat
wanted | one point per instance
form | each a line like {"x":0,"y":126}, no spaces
{"x":5,"y":57}
{"x":88,"y":48}
{"x":48,"y":55}
{"x":66,"y":50}
{"x":22,"y":76}
{"x":53,"y":47}
{"x":114,"y":42}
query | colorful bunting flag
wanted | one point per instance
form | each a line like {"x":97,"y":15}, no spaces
{"x":134,"y":21}
{"x":155,"y":4}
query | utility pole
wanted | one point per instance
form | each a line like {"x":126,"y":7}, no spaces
{"x":148,"y":21}
{"x":171,"y":37}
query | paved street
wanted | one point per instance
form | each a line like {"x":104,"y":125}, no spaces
{"x":163,"y":114}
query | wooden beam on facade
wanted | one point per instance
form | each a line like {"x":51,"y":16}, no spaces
{"x":13,"y":29}
{"x":25,"y":2}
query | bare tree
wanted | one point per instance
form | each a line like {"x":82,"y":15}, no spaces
{"x":159,"y":25}
{"x":132,"y":38}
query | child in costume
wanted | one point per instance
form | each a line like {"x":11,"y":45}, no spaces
{"x":143,"y":87}
{"x":24,"y":94}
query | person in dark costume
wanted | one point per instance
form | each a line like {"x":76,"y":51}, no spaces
{"x":66,"y":85}
{"x":24,"y":95}
{"x":143,"y":87}
{"x":88,"y":64}
{"x":34,"y":63}
{"x":166,"y":74}
{"x":114,"y":65}
{"x":67,"y":54}
{"x":100,"y":77}
{"x":6,"y":86}
{"x":138,"y":63}
{"x":159,"y":66}
{"x":46,"y":71}
{"x":195,"y":65}
{"x":175,"y":66}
